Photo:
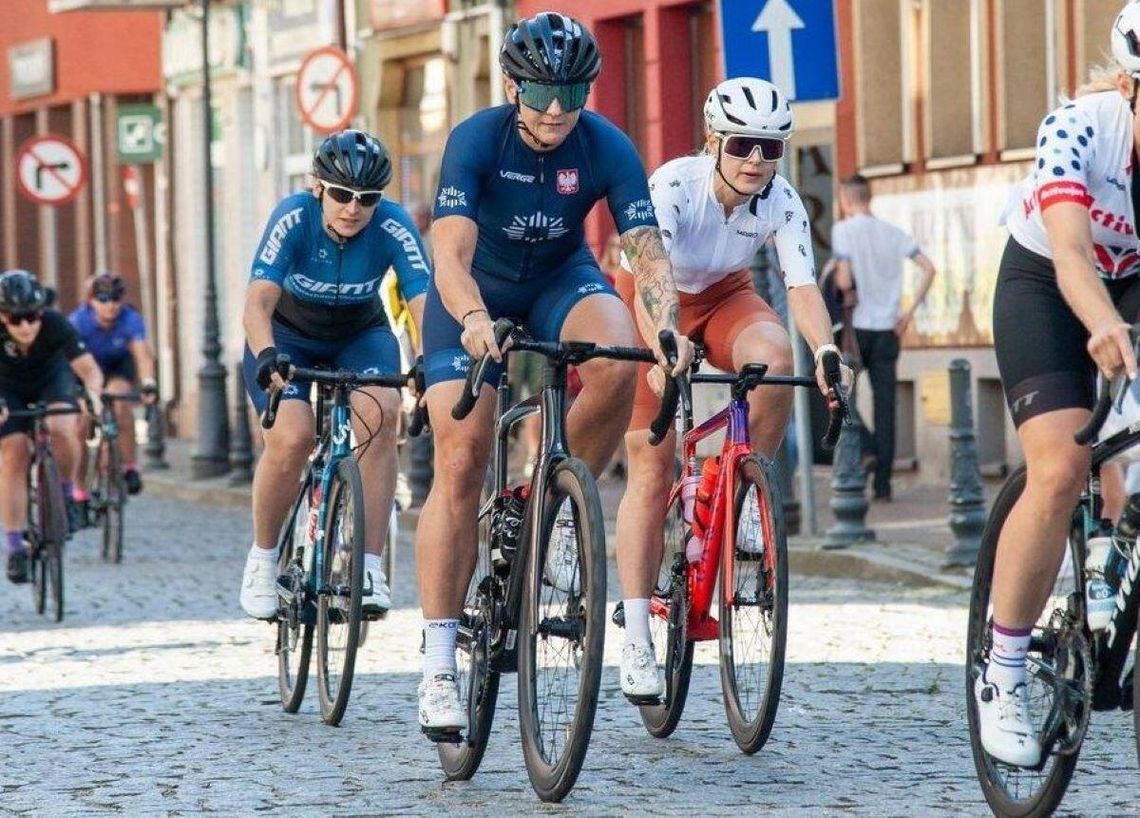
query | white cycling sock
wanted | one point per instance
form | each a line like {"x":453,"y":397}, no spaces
{"x":373,"y":564}
{"x":636,"y":620}
{"x":1007,"y":656}
{"x":267,"y":554}
{"x":439,"y":647}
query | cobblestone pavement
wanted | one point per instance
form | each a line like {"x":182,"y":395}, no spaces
{"x":156,"y":697}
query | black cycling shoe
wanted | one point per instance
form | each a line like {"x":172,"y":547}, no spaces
{"x":18,"y":566}
{"x":76,"y":518}
{"x":133,"y":480}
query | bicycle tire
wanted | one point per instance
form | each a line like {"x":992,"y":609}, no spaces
{"x":478,"y":682}
{"x":340,"y":607}
{"x":113,"y":495}
{"x":55,"y":519}
{"x":670,"y":632}
{"x":294,"y":633}
{"x":1044,"y":799}
{"x":553,"y":774}
{"x":751,"y":722}
{"x":37,"y":569}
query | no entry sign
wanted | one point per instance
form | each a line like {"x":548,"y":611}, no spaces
{"x":50,"y":170}
{"x":327,"y":90}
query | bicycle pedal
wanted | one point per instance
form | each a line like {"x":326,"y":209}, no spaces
{"x":644,"y":701}
{"x":749,"y":556}
{"x":442,"y":735}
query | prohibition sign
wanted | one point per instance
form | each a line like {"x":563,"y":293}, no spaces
{"x":326,"y":90}
{"x":50,"y":170}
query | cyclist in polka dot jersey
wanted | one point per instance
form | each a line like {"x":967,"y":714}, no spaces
{"x":1066,"y":290}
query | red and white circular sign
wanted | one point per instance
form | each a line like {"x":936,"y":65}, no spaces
{"x":327,"y":90}
{"x":50,"y":170}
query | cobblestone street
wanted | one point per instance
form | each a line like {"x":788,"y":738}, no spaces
{"x":155,"y":696}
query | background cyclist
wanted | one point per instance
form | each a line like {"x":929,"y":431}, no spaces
{"x":314,"y":294}
{"x":1065,"y":281}
{"x":115,"y":334}
{"x":716,"y":210}
{"x":516,"y":184}
{"x":40,"y":357}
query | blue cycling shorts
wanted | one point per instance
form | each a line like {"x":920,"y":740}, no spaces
{"x":541,"y":305}
{"x":373,"y":350}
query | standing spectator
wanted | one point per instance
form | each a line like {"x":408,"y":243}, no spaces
{"x":869,"y":255}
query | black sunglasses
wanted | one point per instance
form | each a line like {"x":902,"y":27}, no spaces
{"x":740,"y":146}
{"x":107,"y":298}
{"x":344,"y":195}
{"x":16,"y":318}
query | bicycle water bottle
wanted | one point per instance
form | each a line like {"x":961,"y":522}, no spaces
{"x":710,"y":469}
{"x":313,"y":499}
{"x":1099,"y":591}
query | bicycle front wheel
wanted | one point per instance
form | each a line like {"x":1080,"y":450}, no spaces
{"x":295,"y":614}
{"x":55,"y":532}
{"x":562,"y":631}
{"x":340,"y":591}
{"x":754,"y":605}
{"x":1020,"y":792}
{"x":37,"y":568}
{"x":112,"y":496}
{"x":668,"y":620}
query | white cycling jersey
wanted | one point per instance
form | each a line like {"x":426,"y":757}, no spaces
{"x":704,"y":246}
{"x":1084,"y":155}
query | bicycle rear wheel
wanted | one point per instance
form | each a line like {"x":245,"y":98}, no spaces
{"x":1019,"y":792}
{"x":295,"y":615}
{"x":754,"y":624}
{"x":341,"y":594}
{"x":55,"y":532}
{"x":668,"y":623}
{"x":562,"y":632}
{"x":478,"y":683}
{"x":112,"y":496}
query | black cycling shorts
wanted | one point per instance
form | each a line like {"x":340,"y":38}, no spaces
{"x":1041,"y":346}
{"x":56,"y":385}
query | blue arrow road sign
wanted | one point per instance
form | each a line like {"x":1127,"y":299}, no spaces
{"x":790,"y":42}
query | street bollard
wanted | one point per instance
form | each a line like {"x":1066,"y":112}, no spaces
{"x":420,"y":471}
{"x":241,"y":444}
{"x":848,"y":488}
{"x":155,"y":449}
{"x":967,"y":499}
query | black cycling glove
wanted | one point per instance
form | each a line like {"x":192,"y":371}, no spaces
{"x":266,"y":366}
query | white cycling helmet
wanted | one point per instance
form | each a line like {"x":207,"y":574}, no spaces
{"x":750,"y":106}
{"x":1126,"y":38}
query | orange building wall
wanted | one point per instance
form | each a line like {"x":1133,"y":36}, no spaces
{"x":105,"y":51}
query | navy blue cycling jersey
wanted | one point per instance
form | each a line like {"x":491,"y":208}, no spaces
{"x":331,"y":289}
{"x":531,"y":206}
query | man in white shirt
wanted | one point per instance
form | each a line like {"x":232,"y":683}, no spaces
{"x":869,"y":255}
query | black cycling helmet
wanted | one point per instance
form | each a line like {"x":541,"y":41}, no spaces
{"x":353,"y":159}
{"x":550,"y":48}
{"x":108,"y":283}
{"x":20,"y":292}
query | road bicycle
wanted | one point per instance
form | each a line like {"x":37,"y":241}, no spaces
{"x":109,"y":489}
{"x":1071,"y":670}
{"x":521,"y":613}
{"x":47,"y":511}
{"x":744,"y":547}
{"x":320,"y":582}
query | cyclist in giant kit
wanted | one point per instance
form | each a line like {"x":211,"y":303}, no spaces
{"x":516,"y":184}
{"x":314,"y":294}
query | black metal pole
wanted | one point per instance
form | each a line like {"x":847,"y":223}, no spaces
{"x":241,"y":445}
{"x":967,"y":496}
{"x":212,"y":456}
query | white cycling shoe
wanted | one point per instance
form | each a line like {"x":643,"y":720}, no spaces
{"x":640,"y":679}
{"x":561,"y":569}
{"x":259,"y":587}
{"x":1007,"y":732}
{"x":440,"y":709}
{"x":380,"y":600}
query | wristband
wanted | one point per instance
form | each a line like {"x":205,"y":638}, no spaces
{"x":819,"y":353}
{"x":463,"y":320}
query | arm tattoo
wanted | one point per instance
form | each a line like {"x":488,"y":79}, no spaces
{"x":653,"y":273}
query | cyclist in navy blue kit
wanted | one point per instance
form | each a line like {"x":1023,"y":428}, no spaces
{"x":516,"y":184}
{"x":314,"y":294}
{"x":115,"y":333}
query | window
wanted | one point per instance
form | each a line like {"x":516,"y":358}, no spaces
{"x":633,"y":69}
{"x":295,"y":142}
{"x":423,"y":126}
{"x":1094,"y":19}
{"x":1027,"y":63}
{"x":879,"y":94}
{"x":952,"y":81}
{"x":704,"y":68}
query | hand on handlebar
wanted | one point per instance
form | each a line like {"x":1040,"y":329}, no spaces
{"x":1111,"y":349}
{"x":148,"y":392}
{"x":478,"y":336}
{"x":269,"y":370}
{"x":685,"y":353}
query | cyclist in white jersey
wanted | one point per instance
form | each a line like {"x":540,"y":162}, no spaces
{"x":1065,"y":292}
{"x":715,"y":211}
